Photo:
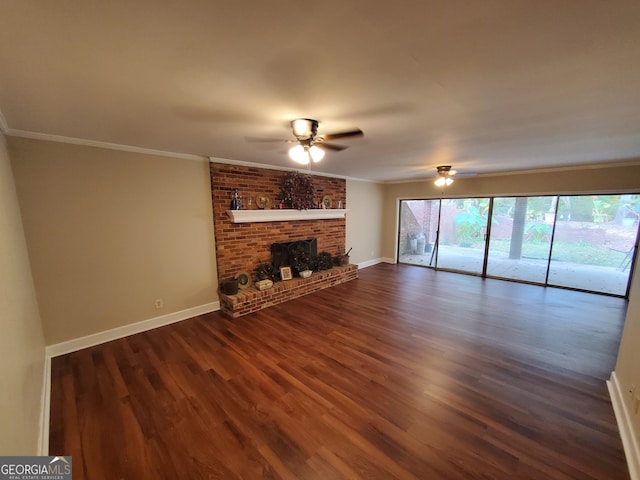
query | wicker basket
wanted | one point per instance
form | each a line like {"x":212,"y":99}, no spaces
{"x":342,"y":260}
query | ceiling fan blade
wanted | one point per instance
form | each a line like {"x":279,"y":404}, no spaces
{"x":352,"y":133}
{"x":330,"y":146}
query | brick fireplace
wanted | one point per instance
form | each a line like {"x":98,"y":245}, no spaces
{"x":240,"y":247}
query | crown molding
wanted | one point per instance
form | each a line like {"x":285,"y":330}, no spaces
{"x":286,"y":169}
{"x":568,"y":168}
{"x":95,"y":143}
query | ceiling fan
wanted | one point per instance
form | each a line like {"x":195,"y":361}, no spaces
{"x":310,"y":147}
{"x":443,"y":178}
{"x":444,"y":174}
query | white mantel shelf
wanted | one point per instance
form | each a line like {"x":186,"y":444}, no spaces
{"x":284,"y":214}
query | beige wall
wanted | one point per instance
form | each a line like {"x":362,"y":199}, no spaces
{"x":628,"y":364}
{"x":21,"y":341}
{"x":588,"y":180}
{"x":109,"y":232}
{"x":364,"y":220}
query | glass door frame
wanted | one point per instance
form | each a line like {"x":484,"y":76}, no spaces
{"x":487,"y":239}
{"x":486,"y":236}
{"x":552,"y":235}
{"x":434,"y":260}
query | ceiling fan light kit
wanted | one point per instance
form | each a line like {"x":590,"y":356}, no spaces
{"x":443,"y":179}
{"x":304,"y":154}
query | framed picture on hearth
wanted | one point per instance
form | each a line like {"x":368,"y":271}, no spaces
{"x":285,"y":273}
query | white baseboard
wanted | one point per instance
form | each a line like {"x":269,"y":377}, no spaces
{"x":375,"y":261}
{"x":126,"y":330}
{"x":96,"y":339}
{"x":623,"y":417}
{"x":369,"y":263}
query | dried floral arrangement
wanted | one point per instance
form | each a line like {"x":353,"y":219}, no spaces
{"x":297,"y":191}
{"x":325,"y":261}
{"x":300,"y":259}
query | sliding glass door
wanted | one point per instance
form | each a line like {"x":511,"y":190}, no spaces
{"x":463,"y":232}
{"x":521,"y":233}
{"x":418,"y":230}
{"x":594,"y":242}
{"x":583,"y":242}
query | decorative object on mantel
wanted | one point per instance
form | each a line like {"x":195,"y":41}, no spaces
{"x":297,"y":191}
{"x":326,"y":202}
{"x":244,"y":280}
{"x":236,"y":200}
{"x":263,"y":201}
{"x":325,"y":261}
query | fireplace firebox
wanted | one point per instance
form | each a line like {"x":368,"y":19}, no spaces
{"x":282,"y":253}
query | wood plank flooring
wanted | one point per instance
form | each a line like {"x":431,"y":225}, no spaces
{"x":405,"y":373}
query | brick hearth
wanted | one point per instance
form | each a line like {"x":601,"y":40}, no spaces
{"x":252,"y":300}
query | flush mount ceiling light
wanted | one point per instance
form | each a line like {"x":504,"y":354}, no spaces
{"x":443,"y":179}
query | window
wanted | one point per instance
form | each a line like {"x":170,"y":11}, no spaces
{"x":584,"y":242}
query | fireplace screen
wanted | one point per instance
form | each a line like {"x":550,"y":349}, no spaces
{"x":281,"y":253}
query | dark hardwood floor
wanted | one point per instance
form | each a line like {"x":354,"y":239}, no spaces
{"x":405,"y":373}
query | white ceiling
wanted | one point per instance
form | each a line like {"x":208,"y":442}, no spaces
{"x":483,"y":85}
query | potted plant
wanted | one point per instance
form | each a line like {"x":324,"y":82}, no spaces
{"x":325,"y":261}
{"x":301,"y":261}
{"x":264,"y":271}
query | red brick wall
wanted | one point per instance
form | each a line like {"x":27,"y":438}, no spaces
{"x":242,"y":246}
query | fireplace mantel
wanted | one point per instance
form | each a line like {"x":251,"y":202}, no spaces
{"x":284,"y":214}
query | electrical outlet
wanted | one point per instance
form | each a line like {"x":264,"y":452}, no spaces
{"x":159,"y":303}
